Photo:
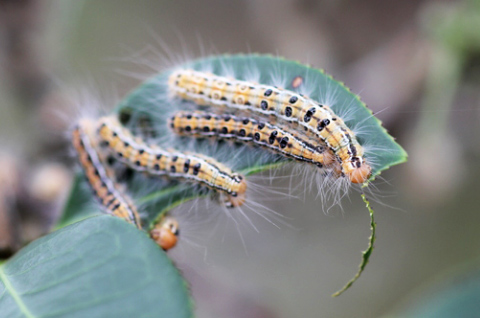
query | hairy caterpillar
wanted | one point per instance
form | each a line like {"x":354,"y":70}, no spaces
{"x":275,"y":138}
{"x":105,"y":190}
{"x":114,"y":202}
{"x":154,"y":160}
{"x":316,"y":119}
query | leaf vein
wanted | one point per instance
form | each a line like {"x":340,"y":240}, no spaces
{"x":16,"y":297}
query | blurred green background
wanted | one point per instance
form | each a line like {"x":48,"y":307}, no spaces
{"x":416,"y":63}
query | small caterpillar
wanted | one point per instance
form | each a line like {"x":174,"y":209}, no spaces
{"x":317,"y":119}
{"x":165,"y":233}
{"x":154,"y":160}
{"x":105,"y":190}
{"x":275,"y":138}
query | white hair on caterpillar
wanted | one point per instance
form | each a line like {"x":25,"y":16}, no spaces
{"x":201,"y":220}
{"x":253,"y":206}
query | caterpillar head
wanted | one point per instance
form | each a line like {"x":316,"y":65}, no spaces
{"x":357,"y":170}
{"x":235,"y":200}
{"x":237,"y":197}
{"x":165,"y":233}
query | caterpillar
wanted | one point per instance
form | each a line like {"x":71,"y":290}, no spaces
{"x":156,"y":161}
{"x":275,"y":138}
{"x":105,"y":190}
{"x":165,"y":233}
{"x":318,"y":120}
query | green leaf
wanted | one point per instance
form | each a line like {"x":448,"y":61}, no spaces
{"x":76,"y":206}
{"x":98,"y":267}
{"x":365,"y":254}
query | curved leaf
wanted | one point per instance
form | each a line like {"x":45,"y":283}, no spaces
{"x":98,"y":267}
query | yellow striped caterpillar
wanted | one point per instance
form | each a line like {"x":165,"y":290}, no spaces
{"x":275,"y":138}
{"x":156,"y":161}
{"x":104,"y":188}
{"x":270,"y":101}
{"x":114,"y":202}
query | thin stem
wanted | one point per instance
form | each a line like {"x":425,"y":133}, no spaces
{"x":366,"y":254}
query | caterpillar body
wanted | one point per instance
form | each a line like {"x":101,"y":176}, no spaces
{"x":105,"y":190}
{"x":275,"y":138}
{"x":270,"y":101}
{"x":156,"y":161}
